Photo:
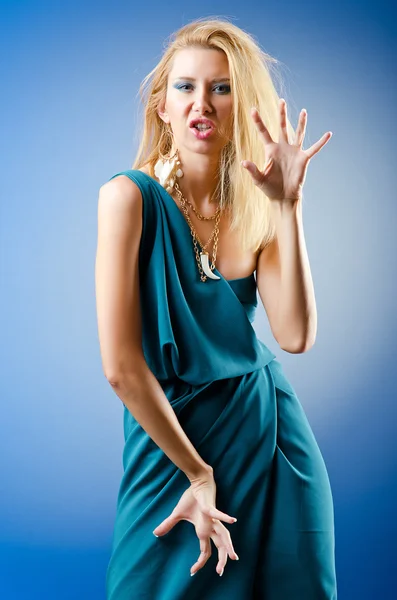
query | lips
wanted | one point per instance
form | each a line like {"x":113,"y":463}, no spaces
{"x":202,"y":120}
{"x":202,"y":134}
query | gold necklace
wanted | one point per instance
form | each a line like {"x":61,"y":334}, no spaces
{"x":199,"y":215}
{"x":202,"y":258}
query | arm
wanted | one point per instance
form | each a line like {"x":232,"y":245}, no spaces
{"x":119,"y":324}
{"x":285,"y":283}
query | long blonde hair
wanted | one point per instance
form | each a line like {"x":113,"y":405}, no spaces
{"x":251,"y":85}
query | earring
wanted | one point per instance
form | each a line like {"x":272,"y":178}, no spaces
{"x":165,"y":167}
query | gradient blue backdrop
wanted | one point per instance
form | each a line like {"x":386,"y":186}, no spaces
{"x":70,"y":73}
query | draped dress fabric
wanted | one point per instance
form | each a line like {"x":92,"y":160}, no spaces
{"x":237,"y":407}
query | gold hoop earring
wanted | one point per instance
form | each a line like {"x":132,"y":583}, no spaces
{"x":167,"y":131}
{"x":164,"y":168}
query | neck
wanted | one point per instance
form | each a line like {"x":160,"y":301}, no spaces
{"x":199,"y":181}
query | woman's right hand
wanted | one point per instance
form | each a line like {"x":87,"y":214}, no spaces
{"x":197,"y":505}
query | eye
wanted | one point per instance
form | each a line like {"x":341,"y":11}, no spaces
{"x":221,"y":85}
{"x":182,"y":85}
{"x":225,"y":86}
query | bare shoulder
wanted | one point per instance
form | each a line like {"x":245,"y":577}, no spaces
{"x":121,"y":189}
{"x":119,"y":211}
{"x":268,"y":253}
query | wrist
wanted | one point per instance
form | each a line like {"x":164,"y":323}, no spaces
{"x":203,"y":471}
{"x":284,"y":203}
{"x":285,"y":209}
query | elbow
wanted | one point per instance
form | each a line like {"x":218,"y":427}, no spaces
{"x":298,"y":347}
{"x":298,"y":341}
{"x":126,"y":377}
{"x":123,"y":382}
{"x":117,"y":380}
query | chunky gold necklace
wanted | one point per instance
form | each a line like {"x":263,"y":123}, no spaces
{"x":202,"y":257}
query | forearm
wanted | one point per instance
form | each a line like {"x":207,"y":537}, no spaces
{"x":297,"y":306}
{"x":143,"y":396}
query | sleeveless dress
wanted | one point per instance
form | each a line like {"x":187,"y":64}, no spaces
{"x":242,"y":415}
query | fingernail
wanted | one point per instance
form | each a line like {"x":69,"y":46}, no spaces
{"x":234,"y":520}
{"x":155,"y":534}
{"x":221,"y":573}
{"x":191,"y":574}
{"x":237,"y":558}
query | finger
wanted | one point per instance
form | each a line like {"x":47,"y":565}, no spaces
{"x":166,"y":525}
{"x":265,"y":135}
{"x":318,"y":145}
{"x":225,"y":539}
{"x":253,"y":170}
{"x":205,"y":547}
{"x":222,"y":560}
{"x":218,"y":514}
{"x":301,"y":129}
{"x":283,"y":120}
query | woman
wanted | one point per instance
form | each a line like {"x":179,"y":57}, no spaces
{"x":215,"y":436}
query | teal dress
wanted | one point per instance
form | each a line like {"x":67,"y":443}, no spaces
{"x":242,"y":415}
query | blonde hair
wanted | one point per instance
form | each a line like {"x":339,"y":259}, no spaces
{"x":251,"y":85}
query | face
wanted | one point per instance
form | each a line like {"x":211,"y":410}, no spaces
{"x":199,"y":86}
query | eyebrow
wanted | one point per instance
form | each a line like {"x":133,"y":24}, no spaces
{"x":213,"y":81}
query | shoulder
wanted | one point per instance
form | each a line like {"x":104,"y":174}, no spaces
{"x":268,"y":251}
{"x":122,"y":189}
{"x":119,"y":198}
{"x":123,"y":186}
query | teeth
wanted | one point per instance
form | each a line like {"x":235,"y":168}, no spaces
{"x":202,"y":126}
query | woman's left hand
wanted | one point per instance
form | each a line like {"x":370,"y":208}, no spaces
{"x":284,"y":173}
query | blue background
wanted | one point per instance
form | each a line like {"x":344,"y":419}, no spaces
{"x":69,"y":76}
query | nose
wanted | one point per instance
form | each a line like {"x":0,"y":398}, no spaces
{"x":201,"y":100}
